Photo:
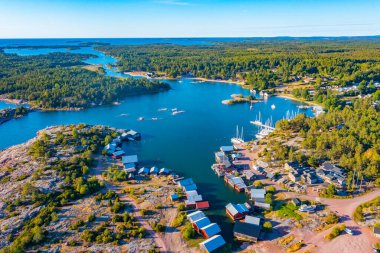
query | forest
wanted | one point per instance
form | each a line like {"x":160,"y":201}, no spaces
{"x":349,"y":137}
{"x":58,"y":81}
{"x":261,"y":63}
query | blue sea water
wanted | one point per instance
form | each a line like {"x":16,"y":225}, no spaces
{"x":184,"y":143}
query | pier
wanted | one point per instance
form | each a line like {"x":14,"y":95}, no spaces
{"x":260,"y":124}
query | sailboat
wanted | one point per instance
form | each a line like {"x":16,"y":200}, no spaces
{"x":239,"y":138}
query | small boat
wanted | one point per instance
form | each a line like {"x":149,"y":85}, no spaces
{"x":155,"y":118}
{"x":162,"y":109}
{"x":123,"y":115}
{"x":177,"y":112}
{"x":116,"y":103}
{"x":273,"y":107}
{"x":141,"y":118}
{"x":174,"y":109}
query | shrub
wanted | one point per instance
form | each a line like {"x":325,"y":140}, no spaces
{"x":294,"y":247}
{"x":158,"y":227}
{"x":188,"y":232}
{"x":267,"y":226}
{"x":181,"y":207}
{"x":258,"y":184}
{"x":178,"y":221}
{"x":335,"y":232}
{"x":91,"y":217}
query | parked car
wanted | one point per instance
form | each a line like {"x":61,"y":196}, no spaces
{"x":348,"y":231}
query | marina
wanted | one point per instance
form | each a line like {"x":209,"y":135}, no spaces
{"x":174,"y":141}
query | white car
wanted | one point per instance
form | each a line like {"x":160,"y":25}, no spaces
{"x":348,"y":231}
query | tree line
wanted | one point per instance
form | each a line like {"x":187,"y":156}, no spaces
{"x":262,"y":64}
{"x":58,"y":81}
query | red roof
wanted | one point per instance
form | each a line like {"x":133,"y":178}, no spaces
{"x":202,"y":205}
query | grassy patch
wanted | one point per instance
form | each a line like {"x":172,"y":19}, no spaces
{"x":288,"y":211}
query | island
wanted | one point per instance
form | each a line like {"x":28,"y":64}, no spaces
{"x":58,"y":81}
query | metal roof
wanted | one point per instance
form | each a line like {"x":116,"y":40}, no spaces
{"x":195,"y":216}
{"x":202,"y":222}
{"x":213,"y":243}
{"x":257,"y":193}
{"x":130,"y":159}
{"x":211,"y":229}
{"x":247,"y":229}
{"x":252,"y":220}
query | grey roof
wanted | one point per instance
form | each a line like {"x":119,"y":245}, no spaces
{"x":252,"y":220}
{"x":247,"y":229}
{"x":130,"y":159}
{"x":257,"y":193}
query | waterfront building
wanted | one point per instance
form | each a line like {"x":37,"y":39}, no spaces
{"x":212,"y":243}
{"x":210,"y":230}
{"x":195,"y":216}
{"x":202,"y":222}
{"x":246,"y":231}
{"x":236,"y":211}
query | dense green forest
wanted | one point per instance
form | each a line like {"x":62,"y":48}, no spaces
{"x":349,"y":137}
{"x":261,"y":64}
{"x":58,"y":81}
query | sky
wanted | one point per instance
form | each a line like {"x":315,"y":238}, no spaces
{"x":187,"y":18}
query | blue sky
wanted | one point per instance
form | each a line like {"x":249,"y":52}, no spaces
{"x":187,"y":18}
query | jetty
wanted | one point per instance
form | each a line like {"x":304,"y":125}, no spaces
{"x":260,"y":124}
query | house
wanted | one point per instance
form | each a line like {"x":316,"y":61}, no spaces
{"x":226,"y":149}
{"x":330,"y":173}
{"x":164,"y":171}
{"x":246,"y":231}
{"x":210,"y":230}
{"x":220,"y":157}
{"x":193,"y":196}
{"x":252,"y":220}
{"x":131,"y":135}
{"x":195,"y":216}
{"x":154,"y":170}
{"x":258,"y":168}
{"x":294,"y":176}
{"x":118,"y":154}
{"x":202,"y":222}
{"x":249,"y":175}
{"x":143,"y":171}
{"x":187,"y":184}
{"x":130,"y":159}
{"x":236,"y":182}
{"x":261,"y":163}
{"x":129,"y":167}
{"x":262,"y":205}
{"x":258,"y":195}
{"x":292,"y":166}
{"x":212,"y":243}
{"x":236,"y":211}
{"x":202,"y":205}
{"x":110,"y":148}
{"x":376,"y":231}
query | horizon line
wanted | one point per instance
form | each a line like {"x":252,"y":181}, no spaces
{"x":201,"y":37}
